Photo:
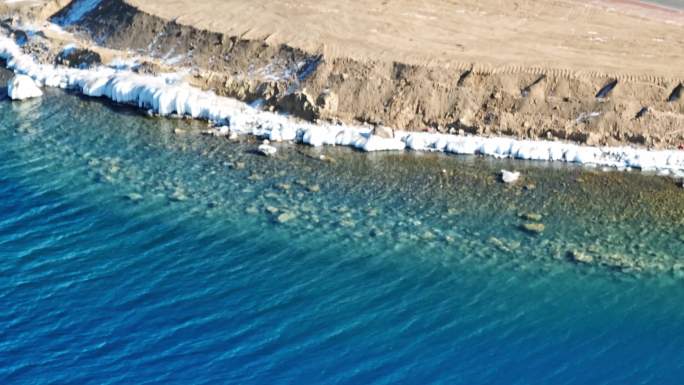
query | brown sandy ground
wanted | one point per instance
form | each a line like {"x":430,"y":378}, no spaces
{"x":530,"y":69}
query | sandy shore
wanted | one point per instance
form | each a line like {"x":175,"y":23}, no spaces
{"x":597,"y":72}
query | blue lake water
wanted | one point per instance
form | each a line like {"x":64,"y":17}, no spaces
{"x":134,"y":250}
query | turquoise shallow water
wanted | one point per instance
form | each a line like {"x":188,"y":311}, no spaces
{"x":134,"y":250}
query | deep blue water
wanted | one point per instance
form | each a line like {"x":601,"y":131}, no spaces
{"x":130,"y":254}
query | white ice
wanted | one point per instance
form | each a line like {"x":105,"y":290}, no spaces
{"x":23,"y":87}
{"x":510,"y":176}
{"x":168,"y":94}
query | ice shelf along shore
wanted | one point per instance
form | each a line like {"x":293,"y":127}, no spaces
{"x":166,"y":95}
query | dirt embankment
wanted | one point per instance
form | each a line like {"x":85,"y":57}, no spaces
{"x":456,"y":94}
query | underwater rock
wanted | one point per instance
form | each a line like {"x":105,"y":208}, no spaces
{"x":534,"y":228}
{"x":178,"y":196}
{"x":620,"y":262}
{"x":375,"y":232}
{"x":239,"y":165}
{"x":135,"y":197}
{"x":580,"y":257}
{"x":678,"y":270}
{"x":254,"y":177}
{"x":534,"y":217}
{"x":504,"y":245}
{"x":348,"y":223}
{"x":286,"y":217}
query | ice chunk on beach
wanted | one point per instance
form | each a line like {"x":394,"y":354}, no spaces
{"x":23,"y":87}
{"x":510,"y":176}
{"x":169,"y":95}
{"x":376,"y":143}
{"x":266,"y":149}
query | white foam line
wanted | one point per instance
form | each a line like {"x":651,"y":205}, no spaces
{"x":166,"y":95}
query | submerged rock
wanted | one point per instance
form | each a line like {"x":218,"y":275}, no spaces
{"x":621,"y":262}
{"x":254,"y":177}
{"x":534,"y":228}
{"x":239,"y":165}
{"x":286,"y":217}
{"x":504,"y":245}
{"x":135,"y":197}
{"x":580,"y":257}
{"x":534,"y":217}
{"x":178,"y":195}
{"x":510,"y":176}
{"x":23,"y":87}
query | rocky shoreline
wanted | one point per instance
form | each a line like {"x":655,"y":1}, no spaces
{"x":591,"y":108}
{"x":144,"y":84}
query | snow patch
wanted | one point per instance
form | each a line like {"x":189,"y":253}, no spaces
{"x":169,"y":95}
